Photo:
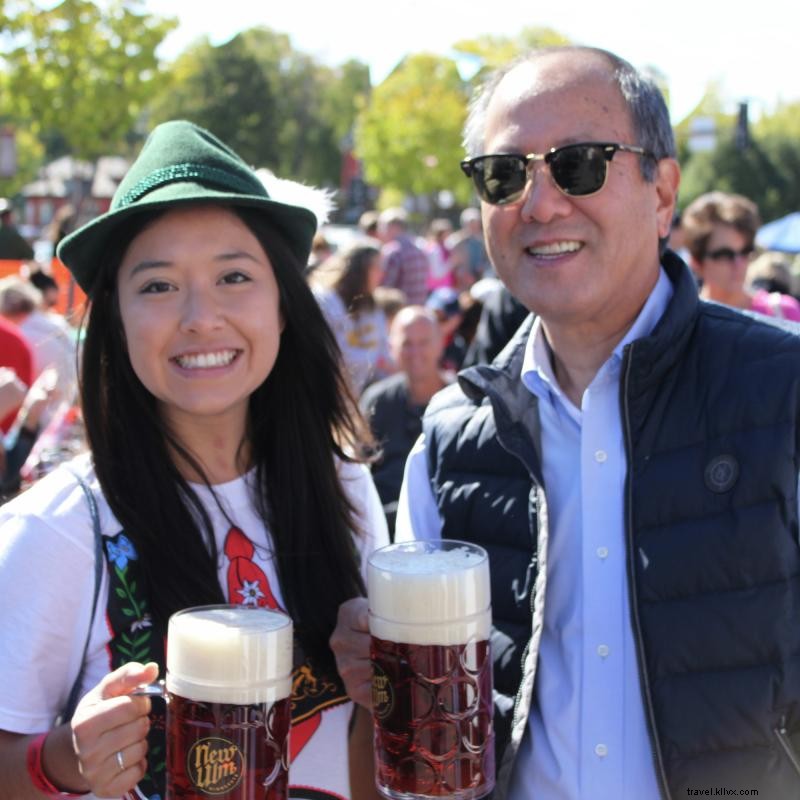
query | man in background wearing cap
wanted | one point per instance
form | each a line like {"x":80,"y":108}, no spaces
{"x":12,"y":245}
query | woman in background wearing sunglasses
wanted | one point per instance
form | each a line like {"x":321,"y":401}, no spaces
{"x":720,"y":231}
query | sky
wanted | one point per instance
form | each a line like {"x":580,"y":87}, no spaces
{"x":750,"y":48}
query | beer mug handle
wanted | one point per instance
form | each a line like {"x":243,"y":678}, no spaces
{"x":157,"y":689}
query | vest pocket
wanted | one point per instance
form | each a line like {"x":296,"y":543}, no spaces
{"x":788,"y":748}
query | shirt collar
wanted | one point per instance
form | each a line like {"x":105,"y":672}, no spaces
{"x":537,"y":366}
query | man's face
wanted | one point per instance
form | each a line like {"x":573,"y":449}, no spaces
{"x":583,"y":261}
{"x":416,"y":346}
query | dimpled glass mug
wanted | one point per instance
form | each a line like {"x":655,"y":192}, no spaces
{"x":228,"y":692}
{"x":430,"y":620}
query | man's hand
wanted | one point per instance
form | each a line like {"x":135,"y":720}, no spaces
{"x":350,"y":645}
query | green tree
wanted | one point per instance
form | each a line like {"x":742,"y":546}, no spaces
{"x":494,"y":51}
{"x":751,"y":172}
{"x":77,"y":75}
{"x":276,"y":106}
{"x":224,"y":89}
{"x":409,"y":136}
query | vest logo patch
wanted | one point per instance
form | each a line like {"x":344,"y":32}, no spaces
{"x":722,"y":473}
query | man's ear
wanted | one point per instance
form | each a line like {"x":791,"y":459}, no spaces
{"x":667,"y":180}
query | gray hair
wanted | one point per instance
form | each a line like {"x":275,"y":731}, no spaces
{"x":649,"y":115}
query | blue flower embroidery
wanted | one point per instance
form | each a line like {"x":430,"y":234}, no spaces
{"x":121,"y":552}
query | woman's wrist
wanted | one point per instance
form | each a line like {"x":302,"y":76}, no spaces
{"x":52,"y":766}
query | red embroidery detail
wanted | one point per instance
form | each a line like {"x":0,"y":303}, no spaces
{"x":247,"y":583}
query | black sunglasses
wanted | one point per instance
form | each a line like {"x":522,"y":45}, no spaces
{"x":729,"y":254}
{"x":578,"y":170}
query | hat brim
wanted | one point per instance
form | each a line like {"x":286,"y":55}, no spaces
{"x":81,"y":250}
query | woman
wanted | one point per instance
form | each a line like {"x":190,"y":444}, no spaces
{"x":224,"y":462}
{"x":720,"y":231}
{"x":344,"y":287}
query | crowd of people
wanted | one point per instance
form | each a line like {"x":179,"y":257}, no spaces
{"x":601,"y":392}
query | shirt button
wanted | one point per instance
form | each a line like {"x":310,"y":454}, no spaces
{"x":602,"y":552}
{"x":601,"y":456}
{"x":601,"y":750}
{"x":603,"y":650}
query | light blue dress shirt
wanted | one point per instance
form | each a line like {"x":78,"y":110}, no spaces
{"x":587,"y":736}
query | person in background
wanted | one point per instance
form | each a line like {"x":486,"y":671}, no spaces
{"x":344,"y":287}
{"x":16,"y":353}
{"x":394,"y":406}
{"x":630,"y":461}
{"x":368,"y":224}
{"x":468,"y":260}
{"x":16,"y":447}
{"x":405,"y":266}
{"x":47,"y":285}
{"x":12,"y":244}
{"x":390,"y":301}
{"x":501,"y":316}
{"x":771,"y":272}
{"x":48,"y":335}
{"x":720,"y":231}
{"x":321,"y":251}
{"x":440,"y":272}
{"x":227,"y":464}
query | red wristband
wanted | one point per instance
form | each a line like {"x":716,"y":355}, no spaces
{"x":33,"y":760}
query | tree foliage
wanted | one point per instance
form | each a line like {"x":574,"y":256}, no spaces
{"x":77,"y":75}
{"x":409,"y":137}
{"x":275,"y":106}
{"x":767,"y":170}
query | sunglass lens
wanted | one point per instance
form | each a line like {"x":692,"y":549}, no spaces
{"x":579,"y":169}
{"x":500,"y":179}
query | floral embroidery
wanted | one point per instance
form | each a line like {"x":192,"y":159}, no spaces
{"x":120,"y":552}
{"x":135,"y":639}
{"x":250,"y":592}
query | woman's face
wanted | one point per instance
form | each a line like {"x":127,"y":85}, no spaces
{"x":727,"y":256}
{"x":200,"y":311}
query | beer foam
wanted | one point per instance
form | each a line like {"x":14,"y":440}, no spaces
{"x":230,"y":654}
{"x":420,"y":594}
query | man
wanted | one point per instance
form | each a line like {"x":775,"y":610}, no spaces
{"x":12,"y":245}
{"x":643,"y":448}
{"x":394,"y":405}
{"x":405,"y":266}
{"x":468,"y":261}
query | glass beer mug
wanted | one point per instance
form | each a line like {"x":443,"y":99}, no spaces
{"x":430,"y":620}
{"x":228,"y":692}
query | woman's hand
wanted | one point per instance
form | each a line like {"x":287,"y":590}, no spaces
{"x":109,"y":731}
{"x":350,"y":645}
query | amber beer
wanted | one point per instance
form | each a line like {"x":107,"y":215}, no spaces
{"x":228,"y":694}
{"x":430,"y":619}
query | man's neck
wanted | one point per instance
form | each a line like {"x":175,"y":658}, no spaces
{"x":421,"y":390}
{"x":579,"y":351}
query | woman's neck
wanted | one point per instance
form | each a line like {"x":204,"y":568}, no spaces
{"x":220,"y":450}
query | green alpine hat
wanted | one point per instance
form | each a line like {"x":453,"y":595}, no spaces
{"x":181,"y":164}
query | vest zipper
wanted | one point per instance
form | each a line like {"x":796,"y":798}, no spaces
{"x":643,"y":677}
{"x":783,"y":737}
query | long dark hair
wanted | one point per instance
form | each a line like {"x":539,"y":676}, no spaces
{"x":300,"y":420}
{"x":348,"y":274}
